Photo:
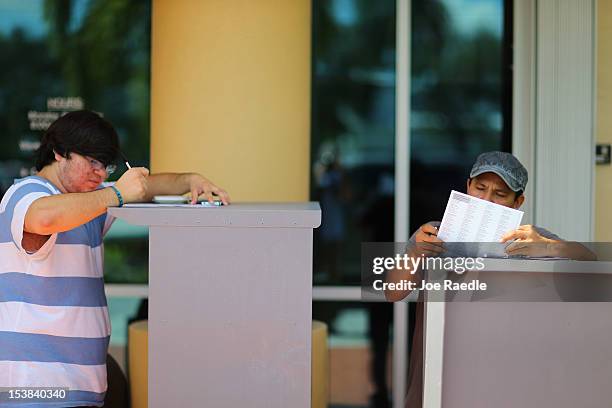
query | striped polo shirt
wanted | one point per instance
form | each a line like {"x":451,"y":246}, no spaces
{"x":54,"y":323}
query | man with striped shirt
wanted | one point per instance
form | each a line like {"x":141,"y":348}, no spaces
{"x":54,"y":324}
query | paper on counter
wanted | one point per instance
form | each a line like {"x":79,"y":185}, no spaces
{"x":470,"y":219}
{"x":204,"y":204}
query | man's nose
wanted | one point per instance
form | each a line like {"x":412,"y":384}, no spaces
{"x":488,"y":196}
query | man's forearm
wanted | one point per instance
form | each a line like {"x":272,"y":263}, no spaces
{"x":63,"y":212}
{"x":167,"y":183}
{"x":398,"y":275}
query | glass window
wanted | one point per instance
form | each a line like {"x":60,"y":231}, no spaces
{"x":461,"y":84}
{"x":353,"y":132}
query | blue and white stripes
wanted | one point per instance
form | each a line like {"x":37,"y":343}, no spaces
{"x":54,"y":323}
{"x":56,"y":291}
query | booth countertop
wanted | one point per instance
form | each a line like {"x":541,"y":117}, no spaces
{"x":254,"y":215}
{"x":549,"y":266}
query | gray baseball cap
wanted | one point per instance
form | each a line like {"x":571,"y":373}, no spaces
{"x":505,"y":166}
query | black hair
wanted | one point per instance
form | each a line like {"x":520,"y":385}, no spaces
{"x":82,"y":132}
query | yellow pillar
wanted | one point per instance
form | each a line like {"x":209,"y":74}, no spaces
{"x":320,"y":366}
{"x":138,"y":352}
{"x":603,"y":174}
{"x":230,"y":94}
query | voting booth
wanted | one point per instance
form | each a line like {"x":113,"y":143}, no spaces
{"x":538,"y":337}
{"x":230,"y":300}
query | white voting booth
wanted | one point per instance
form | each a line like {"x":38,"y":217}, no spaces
{"x":538,"y":336}
{"x":230,"y":295}
{"x":496,"y":351}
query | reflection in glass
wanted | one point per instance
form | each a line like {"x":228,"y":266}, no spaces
{"x":460,"y":106}
{"x":353,"y":137}
{"x":460,"y":76}
{"x":352,"y":131}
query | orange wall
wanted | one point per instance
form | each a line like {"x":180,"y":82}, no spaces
{"x":603,"y":174}
{"x":230,"y":94}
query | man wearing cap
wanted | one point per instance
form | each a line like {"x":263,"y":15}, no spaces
{"x":500,"y":178}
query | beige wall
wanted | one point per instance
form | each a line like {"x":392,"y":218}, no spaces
{"x":230,"y":94}
{"x":603,"y":174}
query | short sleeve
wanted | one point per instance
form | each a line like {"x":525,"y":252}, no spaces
{"x":108,"y":222}
{"x":106,"y":219}
{"x":15,"y":205}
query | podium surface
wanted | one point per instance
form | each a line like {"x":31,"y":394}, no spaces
{"x":549,"y":351}
{"x":230,"y":304}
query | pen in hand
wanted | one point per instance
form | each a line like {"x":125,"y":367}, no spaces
{"x":127,"y":164}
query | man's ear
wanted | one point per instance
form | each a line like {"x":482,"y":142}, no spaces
{"x":467,"y":185}
{"x":518,"y":201}
{"x":58,"y":157}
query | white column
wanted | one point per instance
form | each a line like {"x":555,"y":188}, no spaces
{"x":402,"y":191}
{"x":564,"y":162}
{"x":524,"y":96}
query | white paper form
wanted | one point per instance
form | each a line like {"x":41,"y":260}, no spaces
{"x":203,"y":204}
{"x":470,"y":219}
